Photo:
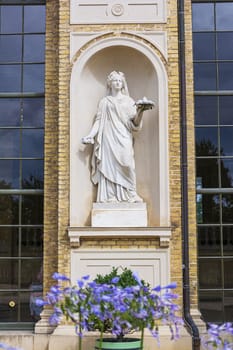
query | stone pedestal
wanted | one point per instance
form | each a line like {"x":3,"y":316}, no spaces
{"x":119,"y":215}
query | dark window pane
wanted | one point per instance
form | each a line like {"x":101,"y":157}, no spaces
{"x":33,"y":78}
{"x":29,"y":271}
{"x":32,"y":242}
{"x":9,"y":306}
{"x":227,"y":240}
{"x":228,"y":273}
{"x":228,"y":306}
{"x":225,"y":46}
{"x":209,"y":241}
{"x":9,"y":173}
{"x":32,"y":210}
{"x":34,"y":19}
{"x":9,"y":143}
{"x":210,"y":273}
{"x":9,"y":242}
{"x":32,"y":143}
{"x":224,"y":15}
{"x":204,"y":46}
{"x":211,"y":306}
{"x":203,"y":17}
{"x":206,"y":111}
{"x":208,"y":210}
{"x":10,"y":78}
{"x":206,"y":141}
{"x":11,"y":19}
{"x":10,"y":48}
{"x":8,"y":274}
{"x":226,"y":138}
{"x":207,"y":173}
{"x":204,"y":76}
{"x":227,"y":208}
{"x":36,"y":293}
{"x":9,"y":208}
{"x":225,"y":110}
{"x":34,"y":48}
{"x":32,"y":174}
{"x":225,"y":76}
{"x":227,"y":172}
{"x":9,"y":111}
{"x":33,"y":112}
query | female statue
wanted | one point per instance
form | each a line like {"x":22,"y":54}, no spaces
{"x":113,"y":166}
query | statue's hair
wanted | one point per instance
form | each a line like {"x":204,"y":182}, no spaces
{"x":111,"y":77}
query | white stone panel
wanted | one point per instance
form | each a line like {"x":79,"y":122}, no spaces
{"x":119,"y":215}
{"x":117,"y":11}
{"x":151,"y":265}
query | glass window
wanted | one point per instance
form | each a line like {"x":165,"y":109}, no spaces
{"x":33,"y":112}
{"x":227,"y":173}
{"x":33,"y":143}
{"x":228,"y":305}
{"x":10,"y":48}
{"x":226,"y":144}
{"x":206,"y":141}
{"x":225,"y":45}
{"x":204,"y":46}
{"x":34,"y":19}
{"x":228,"y":268}
{"x":207,"y":173}
{"x":227,"y":240}
{"x":224,"y":15}
{"x":9,"y":112}
{"x":227,"y":208}
{"x":32,"y":174}
{"x":225,"y":76}
{"x":9,"y":173}
{"x":211,"y":305}
{"x":10,"y":78}
{"x":206,"y":112}
{"x":34,"y":48}
{"x":9,"y":143}
{"x":33,"y":78}
{"x":209,"y":241}
{"x":209,"y":208}
{"x":213,"y":278}
{"x":11,"y":19}
{"x":205,"y":76}
{"x":203,"y":17}
{"x":225,"y":110}
{"x":22,"y":58}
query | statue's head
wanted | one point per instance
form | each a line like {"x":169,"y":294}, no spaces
{"x":117,"y":75}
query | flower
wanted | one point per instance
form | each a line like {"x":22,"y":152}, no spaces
{"x":218,"y":337}
{"x":117,"y":303}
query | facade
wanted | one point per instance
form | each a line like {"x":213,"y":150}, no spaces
{"x":54,"y":60}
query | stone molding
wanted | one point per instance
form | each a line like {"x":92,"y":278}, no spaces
{"x":77,"y":233}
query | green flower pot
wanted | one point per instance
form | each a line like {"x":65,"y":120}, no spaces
{"x":114,"y":344}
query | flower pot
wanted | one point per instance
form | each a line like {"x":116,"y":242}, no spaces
{"x":114,"y":344}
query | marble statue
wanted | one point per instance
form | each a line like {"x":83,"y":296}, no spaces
{"x":113,"y":165}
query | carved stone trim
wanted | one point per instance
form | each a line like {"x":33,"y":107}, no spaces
{"x":76,"y":233}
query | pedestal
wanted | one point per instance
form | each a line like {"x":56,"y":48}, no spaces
{"x":119,"y":215}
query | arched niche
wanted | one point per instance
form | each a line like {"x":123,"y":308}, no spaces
{"x":146,"y":76}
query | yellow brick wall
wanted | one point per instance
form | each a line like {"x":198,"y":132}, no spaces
{"x":58,"y":70}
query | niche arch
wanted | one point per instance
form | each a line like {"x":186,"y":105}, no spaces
{"x":146,"y":76}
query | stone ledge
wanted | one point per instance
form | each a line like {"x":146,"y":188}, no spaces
{"x":76,"y":233}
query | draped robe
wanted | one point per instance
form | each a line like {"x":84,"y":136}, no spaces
{"x":113,"y":165}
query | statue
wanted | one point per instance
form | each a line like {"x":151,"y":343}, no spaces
{"x":113,"y":165}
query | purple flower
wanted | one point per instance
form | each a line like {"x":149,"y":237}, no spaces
{"x":60,"y":277}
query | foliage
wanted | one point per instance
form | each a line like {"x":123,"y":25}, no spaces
{"x":219,"y":337}
{"x":114,"y":303}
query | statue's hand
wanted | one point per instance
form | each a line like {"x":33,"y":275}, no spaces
{"x":87,"y":140}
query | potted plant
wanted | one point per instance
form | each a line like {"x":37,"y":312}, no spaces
{"x":117,"y":303}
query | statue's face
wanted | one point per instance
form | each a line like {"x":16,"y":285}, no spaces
{"x":117,"y":83}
